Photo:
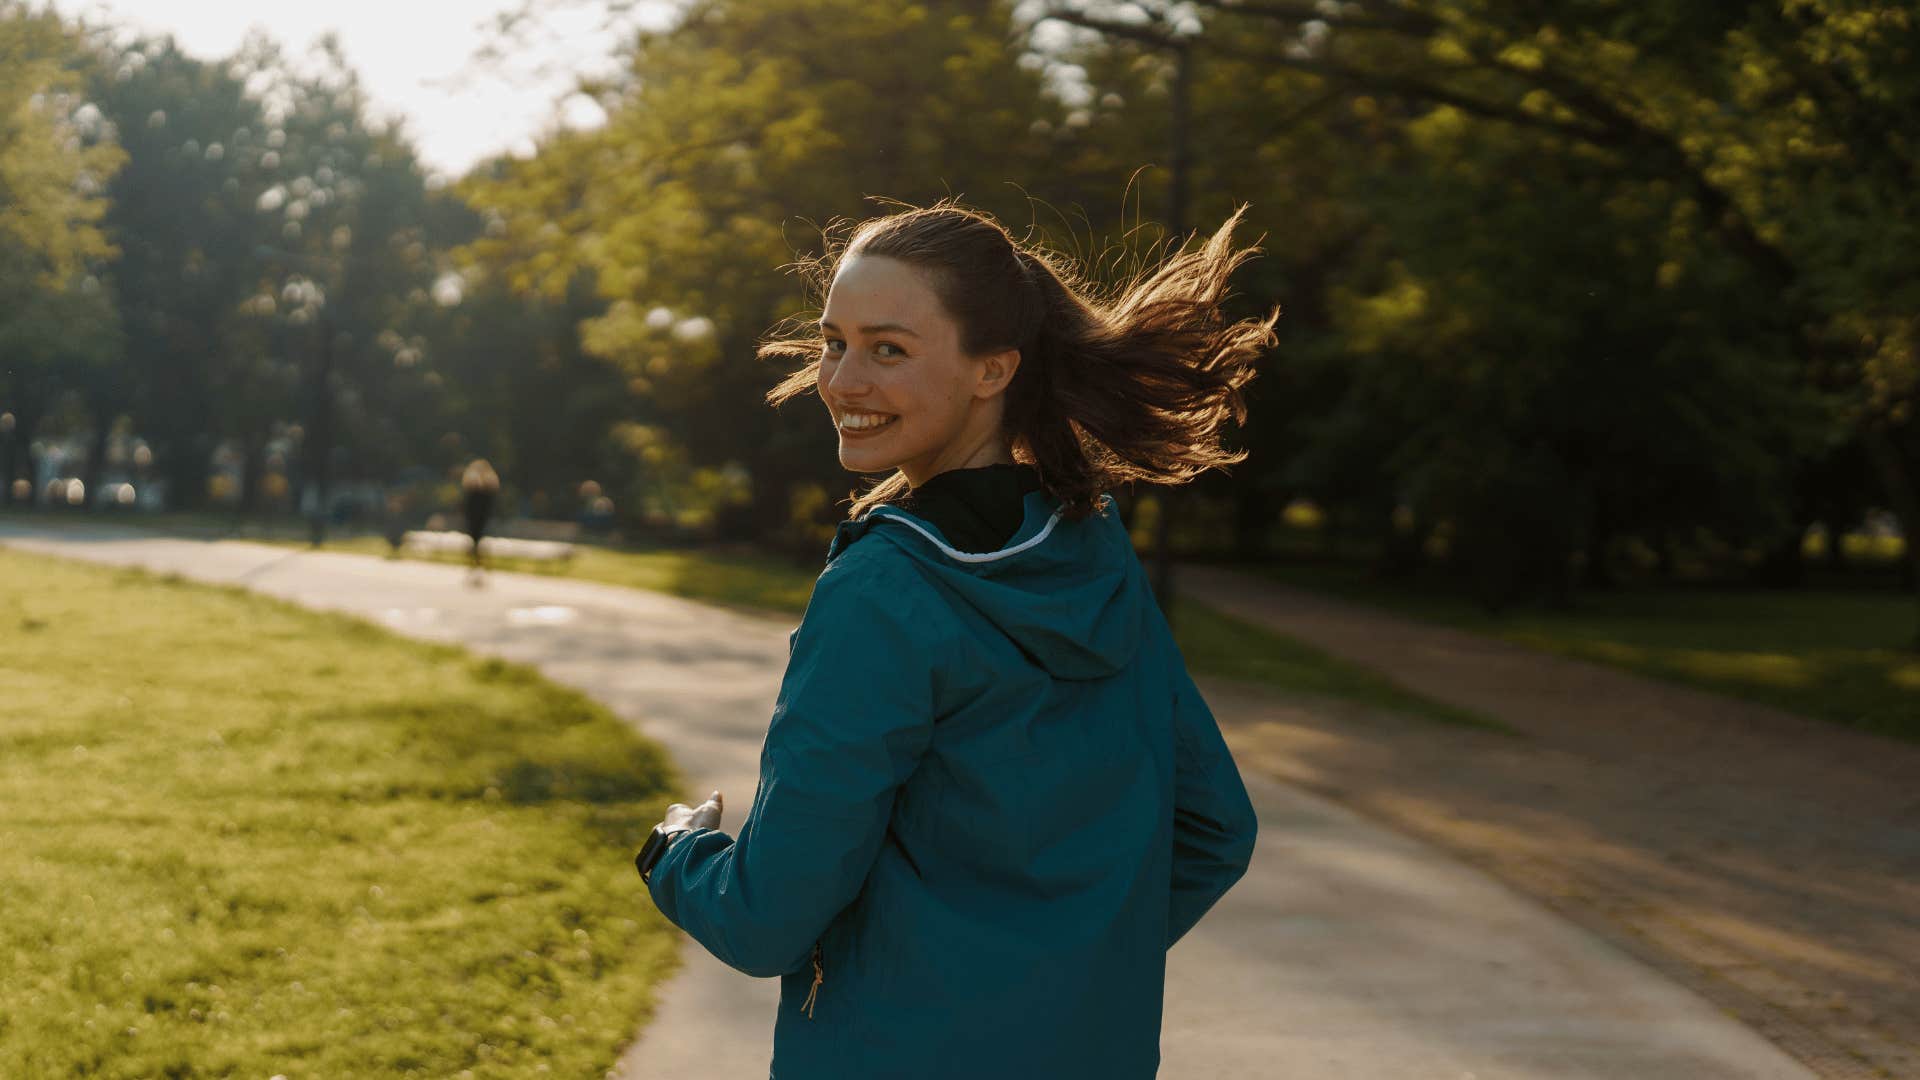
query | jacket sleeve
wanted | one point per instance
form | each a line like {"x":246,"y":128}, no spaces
{"x":1213,"y":820}
{"x":853,"y":717}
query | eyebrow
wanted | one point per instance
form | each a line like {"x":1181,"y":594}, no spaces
{"x":877,"y":328}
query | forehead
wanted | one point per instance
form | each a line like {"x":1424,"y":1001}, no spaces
{"x":870,"y":289}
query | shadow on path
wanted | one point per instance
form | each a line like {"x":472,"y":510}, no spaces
{"x":1770,"y":862}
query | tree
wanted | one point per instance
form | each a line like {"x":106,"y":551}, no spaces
{"x":1763,"y":127}
{"x":733,"y":135}
{"x":198,"y":157}
{"x":53,"y":166}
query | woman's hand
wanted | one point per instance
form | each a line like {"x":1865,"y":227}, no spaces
{"x":704,"y":816}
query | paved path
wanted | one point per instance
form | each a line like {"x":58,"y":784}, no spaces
{"x":1347,"y":950}
{"x":1770,"y":862}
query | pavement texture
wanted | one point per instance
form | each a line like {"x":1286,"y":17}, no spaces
{"x":1767,"y":861}
{"x":1348,"y":950}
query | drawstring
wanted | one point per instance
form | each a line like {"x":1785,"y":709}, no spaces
{"x":818,"y":978}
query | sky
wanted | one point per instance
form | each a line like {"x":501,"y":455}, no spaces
{"x":415,"y":59}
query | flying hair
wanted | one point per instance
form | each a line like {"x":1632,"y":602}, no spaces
{"x":1115,"y":385}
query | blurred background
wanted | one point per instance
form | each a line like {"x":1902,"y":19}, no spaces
{"x":1573,"y":299}
{"x":1600,"y":337}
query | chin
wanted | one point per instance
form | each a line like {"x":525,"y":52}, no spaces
{"x":861,"y":461}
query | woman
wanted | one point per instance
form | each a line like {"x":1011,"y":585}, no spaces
{"x":990,"y":796}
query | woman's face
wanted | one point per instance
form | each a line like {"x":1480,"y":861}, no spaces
{"x":900,"y":390}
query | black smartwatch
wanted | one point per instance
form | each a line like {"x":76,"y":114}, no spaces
{"x":656,"y":846}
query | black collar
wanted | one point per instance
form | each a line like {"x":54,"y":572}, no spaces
{"x":977,"y":509}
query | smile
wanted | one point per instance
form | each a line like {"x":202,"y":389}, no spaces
{"x":864,"y":423}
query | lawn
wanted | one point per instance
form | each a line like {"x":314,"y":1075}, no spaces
{"x":1831,"y":654}
{"x":734,"y":579}
{"x":242,"y":839}
{"x":1218,"y":644}
{"x":1213,"y":643}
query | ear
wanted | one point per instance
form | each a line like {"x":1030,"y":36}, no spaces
{"x":996,"y":372}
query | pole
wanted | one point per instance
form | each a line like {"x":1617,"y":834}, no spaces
{"x":320,"y":439}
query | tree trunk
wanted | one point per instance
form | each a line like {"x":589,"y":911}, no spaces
{"x":1892,"y":467}
{"x":1253,"y":515}
{"x":1597,"y":572}
{"x":1835,"y":557}
{"x":8,"y":459}
{"x":90,"y":477}
{"x":26,"y":422}
{"x":253,"y":470}
{"x":1664,"y":556}
{"x":185,"y":465}
{"x":1402,"y":553}
{"x":34,"y":494}
{"x":1784,"y":566}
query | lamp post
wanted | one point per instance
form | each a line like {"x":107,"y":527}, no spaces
{"x":317,"y":447}
{"x":1181,"y":44}
{"x":7,"y":424}
{"x":1176,"y":228}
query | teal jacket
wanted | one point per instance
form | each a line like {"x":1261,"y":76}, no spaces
{"x":990,"y":801}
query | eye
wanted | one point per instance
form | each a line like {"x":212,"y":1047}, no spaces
{"x":834,"y":345}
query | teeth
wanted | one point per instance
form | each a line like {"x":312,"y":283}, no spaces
{"x":864,"y":421}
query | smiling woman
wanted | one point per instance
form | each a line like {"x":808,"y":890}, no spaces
{"x":900,"y":396}
{"x":990,"y":796}
{"x":945,"y":344}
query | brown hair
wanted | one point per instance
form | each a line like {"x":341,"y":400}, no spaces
{"x":1131,"y":385}
{"x":479,"y":476}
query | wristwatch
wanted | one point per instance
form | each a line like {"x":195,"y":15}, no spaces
{"x":657,"y":843}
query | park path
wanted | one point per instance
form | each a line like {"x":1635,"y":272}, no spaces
{"x":1348,"y":950}
{"x":1767,"y":861}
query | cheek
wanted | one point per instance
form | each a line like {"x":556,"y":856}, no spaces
{"x":937,"y":395}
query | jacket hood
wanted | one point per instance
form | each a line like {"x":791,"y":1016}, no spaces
{"x":1070,"y":594}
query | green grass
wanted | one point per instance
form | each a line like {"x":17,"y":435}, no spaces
{"x":241,"y":839}
{"x":1213,"y":643}
{"x":1824,"y":653}
{"x":747,"y":581}
{"x":1218,"y":644}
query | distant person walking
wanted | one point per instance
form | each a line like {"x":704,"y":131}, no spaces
{"x":481,"y":486}
{"x":991,"y":797}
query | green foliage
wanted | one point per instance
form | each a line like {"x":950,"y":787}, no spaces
{"x":1550,"y":277}
{"x":241,"y":839}
{"x":1644,"y":264}
{"x":731,"y":137}
{"x":183,"y":217}
{"x":51,"y":165}
{"x":58,"y":324}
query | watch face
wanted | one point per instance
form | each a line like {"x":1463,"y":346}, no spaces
{"x":649,"y":853}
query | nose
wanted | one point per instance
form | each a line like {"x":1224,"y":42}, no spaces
{"x":847,"y":378}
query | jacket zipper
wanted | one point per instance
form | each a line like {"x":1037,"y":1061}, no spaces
{"x":818,"y":978}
